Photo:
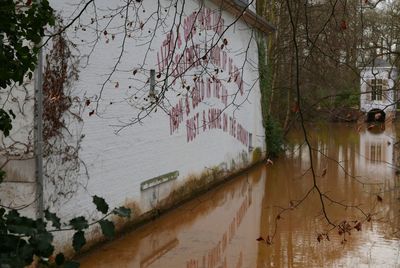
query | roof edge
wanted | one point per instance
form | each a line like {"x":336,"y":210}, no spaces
{"x":241,"y":9}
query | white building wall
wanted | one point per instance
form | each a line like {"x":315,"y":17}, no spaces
{"x":387,"y":104}
{"x":116,"y":157}
{"x":18,"y":190}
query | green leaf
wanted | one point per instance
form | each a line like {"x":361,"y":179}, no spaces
{"x":26,"y":253}
{"x":101,"y":204}
{"x":20,"y":228}
{"x":71,"y":264}
{"x":24,"y":23}
{"x":5,"y":122}
{"x":53,"y":218}
{"x":122,"y":212}
{"x":107,"y":228}
{"x":2,"y":211}
{"x":42,"y":244}
{"x":60,"y":259}
{"x":9,"y":242}
{"x":79,"y":223}
{"x":17,"y":224}
{"x":41,"y":226}
{"x":13,"y":215}
{"x":78,"y":240}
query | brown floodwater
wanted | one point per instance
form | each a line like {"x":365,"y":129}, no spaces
{"x":356,"y":170}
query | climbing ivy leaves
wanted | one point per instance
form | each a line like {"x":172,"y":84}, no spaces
{"x":23,"y":238}
{"x":79,"y":223}
{"x":21,"y":31}
{"x":60,"y":261}
{"x":5,"y":121}
{"x":20,"y":35}
{"x":107,"y":228}
{"x":52,"y":217}
{"x":78,"y":240}
{"x":101,"y":204}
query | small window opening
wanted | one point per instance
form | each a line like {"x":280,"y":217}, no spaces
{"x":376,"y":89}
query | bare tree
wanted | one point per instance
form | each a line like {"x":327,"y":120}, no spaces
{"x":316,"y":57}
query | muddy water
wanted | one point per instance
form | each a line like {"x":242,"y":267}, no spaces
{"x":219,"y":229}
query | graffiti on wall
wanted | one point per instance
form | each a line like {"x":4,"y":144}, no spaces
{"x":180,"y":54}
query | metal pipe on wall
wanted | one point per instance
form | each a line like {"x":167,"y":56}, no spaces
{"x":38,"y":132}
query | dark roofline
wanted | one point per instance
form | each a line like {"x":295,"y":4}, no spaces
{"x":240,"y":8}
{"x":378,"y":63}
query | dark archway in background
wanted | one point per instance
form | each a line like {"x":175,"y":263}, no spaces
{"x":376,"y":115}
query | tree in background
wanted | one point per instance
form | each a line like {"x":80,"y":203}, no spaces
{"x":315,"y":57}
{"x":334,"y":39}
{"x":21,"y":31}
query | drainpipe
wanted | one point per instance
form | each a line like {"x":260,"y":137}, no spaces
{"x":38,"y":132}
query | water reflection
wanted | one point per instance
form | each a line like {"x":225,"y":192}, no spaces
{"x":360,"y":166}
{"x":220,"y":228}
{"x":215,"y":230}
{"x":377,"y":154}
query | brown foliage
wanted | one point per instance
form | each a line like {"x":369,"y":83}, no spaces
{"x":56,"y":77}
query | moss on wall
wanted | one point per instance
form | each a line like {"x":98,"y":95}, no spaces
{"x":273,"y":130}
{"x":256,"y":155}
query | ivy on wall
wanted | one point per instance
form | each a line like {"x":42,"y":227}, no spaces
{"x":273,"y":131}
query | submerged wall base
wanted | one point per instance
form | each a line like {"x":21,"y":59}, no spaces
{"x":192,"y":187}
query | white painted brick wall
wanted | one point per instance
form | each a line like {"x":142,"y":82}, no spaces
{"x":117,"y":162}
{"x":17,"y":158}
